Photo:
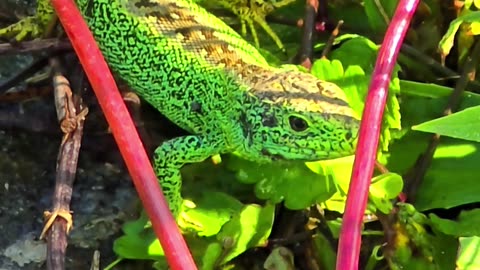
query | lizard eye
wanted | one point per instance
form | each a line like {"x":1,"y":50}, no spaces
{"x":297,"y":123}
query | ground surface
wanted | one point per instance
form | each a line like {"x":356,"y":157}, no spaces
{"x":29,"y":143}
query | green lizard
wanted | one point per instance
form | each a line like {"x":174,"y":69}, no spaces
{"x":205,"y":78}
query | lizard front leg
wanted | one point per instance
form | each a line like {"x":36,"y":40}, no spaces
{"x":170,"y":157}
{"x":33,"y":26}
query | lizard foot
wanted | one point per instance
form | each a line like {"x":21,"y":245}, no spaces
{"x":31,"y":27}
{"x":51,"y":216}
{"x":27,"y":27}
{"x":256,"y":11}
{"x":184,"y":221}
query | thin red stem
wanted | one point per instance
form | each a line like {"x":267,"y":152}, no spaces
{"x":125,"y":134}
{"x":350,"y":235}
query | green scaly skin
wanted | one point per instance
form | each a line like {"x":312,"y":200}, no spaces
{"x":204,"y":77}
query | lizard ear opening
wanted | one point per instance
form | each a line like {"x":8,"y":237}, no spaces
{"x":297,"y":123}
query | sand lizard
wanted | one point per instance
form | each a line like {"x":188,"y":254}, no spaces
{"x":205,"y":78}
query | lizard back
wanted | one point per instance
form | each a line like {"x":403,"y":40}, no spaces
{"x":174,"y":54}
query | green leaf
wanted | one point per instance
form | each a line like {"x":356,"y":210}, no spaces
{"x":379,"y":13}
{"x":358,"y":56}
{"x":435,"y":91}
{"x":284,"y":181}
{"x":468,"y":3}
{"x":212,"y":253}
{"x":465,"y":225}
{"x":339,"y":170}
{"x":474,"y":28}
{"x":139,"y":241}
{"x":248,"y":228}
{"x":331,"y":71}
{"x":327,"y":256}
{"x":359,"y":51}
{"x":212,"y":211}
{"x":452,"y":177}
{"x":352,"y":13}
{"x":468,"y":258}
{"x":462,"y":125}
{"x":384,"y":188}
{"x":451,"y":180}
{"x":448,"y":39}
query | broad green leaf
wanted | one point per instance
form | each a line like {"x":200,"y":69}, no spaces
{"x":465,"y":225}
{"x":452,"y":177}
{"x":384,"y":188}
{"x":248,"y":228}
{"x":451,"y":180}
{"x":355,"y":84}
{"x":436,"y":91}
{"x":358,"y":51}
{"x":448,"y":39}
{"x":327,"y":255}
{"x":212,"y":253}
{"x":331,"y":71}
{"x":468,"y":258}
{"x":379,"y":13}
{"x":339,"y":169}
{"x":352,"y":13}
{"x":462,"y":125}
{"x":467,"y":3}
{"x":284,"y":181}
{"x":138,"y":241}
{"x":474,"y":28}
{"x":212,"y":210}
{"x":357,"y":56}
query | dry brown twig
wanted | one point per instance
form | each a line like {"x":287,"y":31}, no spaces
{"x":59,"y":221}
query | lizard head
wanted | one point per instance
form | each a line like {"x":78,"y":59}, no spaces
{"x":299,"y":117}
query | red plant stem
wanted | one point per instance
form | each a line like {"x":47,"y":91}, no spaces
{"x":366,"y":153}
{"x":125,"y":134}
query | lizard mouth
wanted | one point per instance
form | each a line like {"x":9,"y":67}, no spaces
{"x":303,"y":154}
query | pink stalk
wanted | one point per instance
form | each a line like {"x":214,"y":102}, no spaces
{"x":366,"y":153}
{"x":125,"y":134}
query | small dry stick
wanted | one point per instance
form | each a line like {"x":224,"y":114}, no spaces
{"x":95,"y":261}
{"x":59,"y":221}
{"x":38,"y":45}
{"x":331,"y":39}
{"x":306,"y":51}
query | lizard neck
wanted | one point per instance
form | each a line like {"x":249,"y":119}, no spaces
{"x":250,"y":124}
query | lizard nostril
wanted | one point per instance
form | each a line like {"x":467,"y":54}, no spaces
{"x":348,"y":135}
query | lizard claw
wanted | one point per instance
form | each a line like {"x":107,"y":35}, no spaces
{"x":22,"y":30}
{"x":184,"y":221}
{"x":31,"y":27}
{"x":250,"y":12}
